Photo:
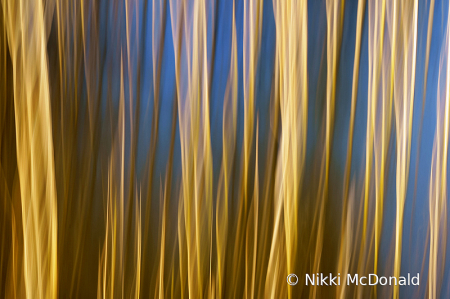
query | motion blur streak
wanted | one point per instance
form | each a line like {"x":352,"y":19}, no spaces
{"x":209,"y":149}
{"x":438,"y":177}
{"x":27,"y":27}
{"x":291,"y":61}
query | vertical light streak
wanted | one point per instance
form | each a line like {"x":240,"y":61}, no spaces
{"x":251,"y":233}
{"x":404,"y":107}
{"x":196,"y":154}
{"x":346,"y":238}
{"x":252,"y":23}
{"x":291,"y":65}
{"x":377,"y":13}
{"x":177,"y":18}
{"x":27,"y":29}
{"x":438,"y":178}
{"x":229,"y":124}
{"x":163,"y":203}
{"x":215,"y":247}
{"x":335,"y":16}
{"x":251,"y":45}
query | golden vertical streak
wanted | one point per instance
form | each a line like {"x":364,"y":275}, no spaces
{"x":381,"y":148}
{"x":376,"y":42}
{"x":27,"y":30}
{"x":216,"y":246}
{"x":252,"y":23}
{"x":138,"y":248}
{"x":158,"y":21}
{"x":89,"y":62}
{"x":177,"y":22}
{"x":114,"y":280}
{"x":404,"y":106}
{"x":5,"y":193}
{"x":229,"y":124}
{"x":334,"y":13}
{"x":14,"y":290}
{"x":346,"y":245}
{"x":162,"y":250}
{"x":277,"y":242}
{"x":252,"y":230}
{"x":291,"y":65}
{"x":438,"y":177}
{"x":196,"y":155}
{"x":186,"y":178}
{"x":251,"y":44}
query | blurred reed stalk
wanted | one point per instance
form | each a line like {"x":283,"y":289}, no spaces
{"x":84,"y":215}
{"x":438,"y":176}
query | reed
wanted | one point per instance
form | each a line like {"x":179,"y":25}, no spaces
{"x":142,"y":156}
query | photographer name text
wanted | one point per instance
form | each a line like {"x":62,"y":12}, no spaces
{"x":321,"y":279}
